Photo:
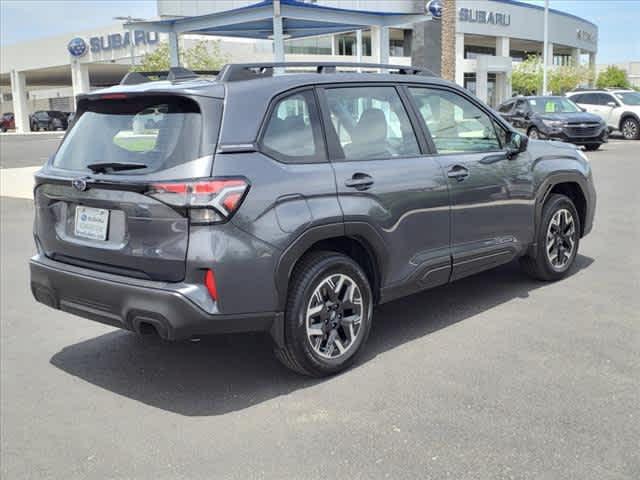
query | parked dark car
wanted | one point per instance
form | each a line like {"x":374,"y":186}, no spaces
{"x":48,"y":120}
{"x":293,"y":203}
{"x":7,"y":122}
{"x":555,"y":118}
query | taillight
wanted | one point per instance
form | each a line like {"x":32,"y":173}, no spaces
{"x":210,"y":283}
{"x":207,"y":201}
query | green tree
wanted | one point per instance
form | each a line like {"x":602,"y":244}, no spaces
{"x":156,"y":61}
{"x":565,"y":78}
{"x":202,"y":56}
{"x":526,"y":77}
{"x":612,"y":76}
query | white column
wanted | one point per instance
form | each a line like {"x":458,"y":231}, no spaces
{"x":503,"y":47}
{"x":545,"y":50}
{"x":174,"y":50}
{"x":79,"y":78}
{"x":592,"y":67}
{"x":575,"y":56}
{"x":334,"y":45}
{"x":460,"y":59}
{"x":19,"y":95}
{"x":482,"y":90}
{"x":380,"y":44}
{"x":278,"y":39}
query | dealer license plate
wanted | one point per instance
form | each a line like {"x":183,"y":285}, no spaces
{"x":92,"y":223}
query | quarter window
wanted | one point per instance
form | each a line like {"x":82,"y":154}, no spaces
{"x":293,"y":132}
{"x":371,"y":123}
{"x":456,"y":124}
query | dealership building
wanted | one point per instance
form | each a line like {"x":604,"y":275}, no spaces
{"x":491,"y":36}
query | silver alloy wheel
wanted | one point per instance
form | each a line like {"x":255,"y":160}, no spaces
{"x":561,"y":239}
{"x":630,"y":129}
{"x":533,"y":133}
{"x":334,"y":316}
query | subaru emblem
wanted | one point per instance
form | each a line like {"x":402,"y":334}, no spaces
{"x":79,"y":184}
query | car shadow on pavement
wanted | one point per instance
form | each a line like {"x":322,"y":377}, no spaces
{"x":226,"y":373}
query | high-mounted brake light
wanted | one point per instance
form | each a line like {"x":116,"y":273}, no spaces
{"x":208,"y":201}
{"x":113,"y":96}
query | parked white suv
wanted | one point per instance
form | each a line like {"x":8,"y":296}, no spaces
{"x":619,"y":108}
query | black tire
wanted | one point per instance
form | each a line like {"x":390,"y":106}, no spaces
{"x":591,"y":147}
{"x":34,"y":127}
{"x":630,"y":128}
{"x":298,"y":354}
{"x":539,"y":266}
{"x":534,"y":133}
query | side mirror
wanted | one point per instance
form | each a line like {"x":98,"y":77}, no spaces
{"x":582,"y":108}
{"x":612,"y":104}
{"x":519,"y":113}
{"x":516,"y":144}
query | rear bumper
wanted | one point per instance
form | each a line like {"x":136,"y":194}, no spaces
{"x":134,"y":306}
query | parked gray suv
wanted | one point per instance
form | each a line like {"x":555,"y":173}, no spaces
{"x":292,"y":199}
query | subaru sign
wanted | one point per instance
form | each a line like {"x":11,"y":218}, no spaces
{"x":114,"y":41}
{"x":77,"y":47}
{"x":434,"y":8}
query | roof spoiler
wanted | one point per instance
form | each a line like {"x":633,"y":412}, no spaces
{"x":246,"y":71}
{"x":174,"y":74}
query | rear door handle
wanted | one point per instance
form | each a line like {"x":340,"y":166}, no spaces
{"x":458,"y":172}
{"x":359,"y":181}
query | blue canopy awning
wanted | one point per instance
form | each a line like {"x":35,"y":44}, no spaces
{"x":300,"y":19}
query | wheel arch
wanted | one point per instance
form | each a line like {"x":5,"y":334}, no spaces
{"x":572,"y":185}
{"x":358,"y":240}
{"x":626,"y":115}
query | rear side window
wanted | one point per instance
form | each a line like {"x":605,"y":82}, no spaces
{"x":371,"y":123}
{"x":293,"y":133}
{"x":159,"y":132}
{"x":587,"y":98}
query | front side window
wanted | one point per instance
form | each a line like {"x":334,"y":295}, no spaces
{"x":629,"y":98}
{"x":293,"y":132}
{"x":371,"y":123}
{"x":456,"y":124}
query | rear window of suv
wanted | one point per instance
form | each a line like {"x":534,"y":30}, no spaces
{"x":160,"y":132}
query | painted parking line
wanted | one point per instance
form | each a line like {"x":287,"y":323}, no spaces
{"x":17,"y":182}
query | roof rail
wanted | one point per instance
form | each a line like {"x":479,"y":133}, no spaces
{"x":174,"y":74}
{"x":246,"y":71}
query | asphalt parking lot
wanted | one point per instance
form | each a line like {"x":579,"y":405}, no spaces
{"x":494,"y":377}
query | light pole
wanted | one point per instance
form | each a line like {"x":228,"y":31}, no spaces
{"x":545,"y":52}
{"x":129,"y":19}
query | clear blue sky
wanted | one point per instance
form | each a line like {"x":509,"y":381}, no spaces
{"x":618,"y":20}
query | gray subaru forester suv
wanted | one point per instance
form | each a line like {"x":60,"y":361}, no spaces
{"x":292,"y":199}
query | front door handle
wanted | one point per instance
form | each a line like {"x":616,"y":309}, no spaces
{"x":458,"y":172}
{"x":359,"y":181}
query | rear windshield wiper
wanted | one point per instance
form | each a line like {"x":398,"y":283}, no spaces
{"x":104,"y":167}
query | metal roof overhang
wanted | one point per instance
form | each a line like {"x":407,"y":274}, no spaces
{"x":299,"y":20}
